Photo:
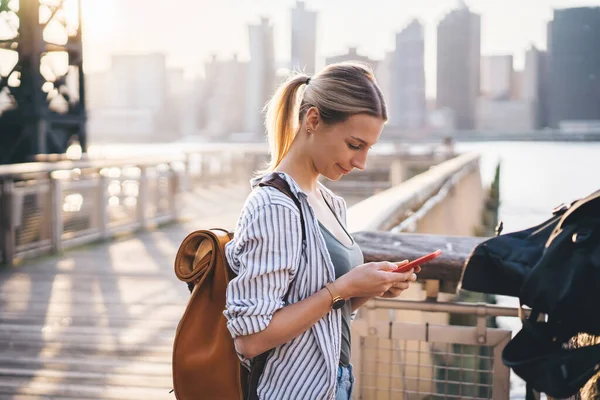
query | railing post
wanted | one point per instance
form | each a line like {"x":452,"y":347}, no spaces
{"x":187,"y":173}
{"x":174,"y":191}
{"x":8,"y":224}
{"x":56,"y":230}
{"x":142,"y":198}
{"x":396,"y":172}
{"x":205,"y":167}
{"x":103,"y":204}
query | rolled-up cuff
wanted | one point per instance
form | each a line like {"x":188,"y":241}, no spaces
{"x":246,"y":319}
{"x":243,"y":326}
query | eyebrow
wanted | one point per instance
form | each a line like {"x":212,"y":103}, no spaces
{"x":361,"y":141}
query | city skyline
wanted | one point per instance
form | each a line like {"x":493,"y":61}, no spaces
{"x":204,"y":29}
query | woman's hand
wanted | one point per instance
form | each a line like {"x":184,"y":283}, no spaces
{"x":374,"y":279}
{"x":397,"y":289}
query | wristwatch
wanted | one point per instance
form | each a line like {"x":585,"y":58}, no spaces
{"x":337,"y":301}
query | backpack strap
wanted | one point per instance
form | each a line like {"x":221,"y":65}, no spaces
{"x":258,"y":363}
{"x":274,"y":180}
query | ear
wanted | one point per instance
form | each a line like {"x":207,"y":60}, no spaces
{"x":312,"y":119}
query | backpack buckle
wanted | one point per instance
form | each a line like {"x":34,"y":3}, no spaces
{"x":560,"y":209}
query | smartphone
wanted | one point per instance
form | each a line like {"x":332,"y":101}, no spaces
{"x":418,"y":261}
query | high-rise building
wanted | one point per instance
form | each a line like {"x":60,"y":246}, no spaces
{"x":535,"y":85}
{"x":352,"y":55}
{"x":504,"y":115}
{"x":223,"y":98}
{"x":133,"y":101}
{"x":408,"y":108}
{"x":501,"y":106}
{"x":304,"y":39}
{"x":497,"y":77}
{"x":458,"y":60}
{"x":139,"y":81}
{"x":383,"y":74}
{"x":260,"y":82}
{"x":574,"y":65}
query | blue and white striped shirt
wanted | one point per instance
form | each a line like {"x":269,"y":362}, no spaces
{"x":267,"y":255}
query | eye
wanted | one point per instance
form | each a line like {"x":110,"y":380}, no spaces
{"x":352,"y":147}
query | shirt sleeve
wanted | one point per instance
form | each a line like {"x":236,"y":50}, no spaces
{"x":266,"y":252}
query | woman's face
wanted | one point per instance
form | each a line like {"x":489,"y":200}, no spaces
{"x":339,"y":148}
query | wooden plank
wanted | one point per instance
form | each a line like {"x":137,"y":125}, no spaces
{"x":96,"y":364}
{"x":65,"y":390}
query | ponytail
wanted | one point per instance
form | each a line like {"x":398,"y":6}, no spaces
{"x":282,"y":118}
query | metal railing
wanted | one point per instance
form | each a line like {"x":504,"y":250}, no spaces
{"x":46,"y":207}
{"x":404,"y":360}
{"x":71,"y":207}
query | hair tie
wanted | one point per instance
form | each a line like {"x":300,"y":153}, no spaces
{"x":307,"y":81}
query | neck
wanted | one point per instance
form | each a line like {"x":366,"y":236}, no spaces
{"x":301,"y":168}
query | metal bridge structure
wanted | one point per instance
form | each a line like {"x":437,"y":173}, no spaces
{"x":42,"y":91}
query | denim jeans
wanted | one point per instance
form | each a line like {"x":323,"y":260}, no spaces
{"x":345,"y":383}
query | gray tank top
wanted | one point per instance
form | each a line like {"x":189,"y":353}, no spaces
{"x":344,"y":258}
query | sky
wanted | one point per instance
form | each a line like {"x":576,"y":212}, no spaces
{"x":190,"y":31}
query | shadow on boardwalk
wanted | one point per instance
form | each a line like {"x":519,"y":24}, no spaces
{"x":98,"y":322}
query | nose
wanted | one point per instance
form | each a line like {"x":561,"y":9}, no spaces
{"x":360,"y":161}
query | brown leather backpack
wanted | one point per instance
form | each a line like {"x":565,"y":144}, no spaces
{"x":205,"y":364}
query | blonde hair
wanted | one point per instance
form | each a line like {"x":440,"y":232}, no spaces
{"x":338,"y":92}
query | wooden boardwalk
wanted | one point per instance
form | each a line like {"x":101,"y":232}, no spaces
{"x":98,"y":322}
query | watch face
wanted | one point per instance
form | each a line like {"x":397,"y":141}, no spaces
{"x":338,"y":303}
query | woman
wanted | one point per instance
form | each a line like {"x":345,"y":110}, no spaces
{"x":298,"y":299}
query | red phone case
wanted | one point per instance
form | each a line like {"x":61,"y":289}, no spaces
{"x":418,"y":261}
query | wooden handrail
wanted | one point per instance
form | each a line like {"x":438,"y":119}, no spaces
{"x":447,"y":268}
{"x":387,"y":209}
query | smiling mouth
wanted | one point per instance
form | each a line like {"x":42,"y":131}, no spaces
{"x":345,"y":171}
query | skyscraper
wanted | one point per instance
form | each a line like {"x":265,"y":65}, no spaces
{"x":383,"y":74}
{"x":458,"y":60}
{"x":260,"y":82}
{"x":304,"y":39}
{"x":223,"y":97}
{"x":574,"y":65}
{"x":497,"y":77}
{"x":408,"y":106}
{"x":535,"y":84}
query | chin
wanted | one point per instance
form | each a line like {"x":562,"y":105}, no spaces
{"x":333,"y":176}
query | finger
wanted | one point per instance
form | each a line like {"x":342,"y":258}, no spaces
{"x":417,"y":269}
{"x":400,"y":286}
{"x":387,"y":266}
{"x":394,"y":292}
{"x":390,"y":266}
{"x":402,"y":276}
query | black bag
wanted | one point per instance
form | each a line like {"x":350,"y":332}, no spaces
{"x":554,"y":268}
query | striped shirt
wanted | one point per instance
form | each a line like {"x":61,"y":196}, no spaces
{"x":268,"y":256}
